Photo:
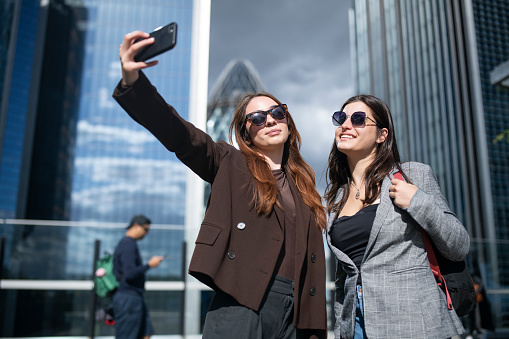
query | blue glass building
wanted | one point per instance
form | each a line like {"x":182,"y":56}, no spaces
{"x":17,"y":84}
{"x":72,"y":159}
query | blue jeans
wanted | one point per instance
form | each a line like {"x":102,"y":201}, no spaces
{"x":360,"y":330}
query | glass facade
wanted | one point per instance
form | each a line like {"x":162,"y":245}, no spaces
{"x":237,"y":78}
{"x":50,"y":259}
{"x":492,"y":35}
{"x":17,"y":83}
{"x":72,"y":159}
{"x":120,"y":168}
{"x":430,"y":62}
{"x":54,"y":133}
{"x":6,"y":17}
{"x":16,"y":94}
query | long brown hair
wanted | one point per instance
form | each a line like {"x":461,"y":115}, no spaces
{"x":265,"y":189}
{"x":386,"y":158}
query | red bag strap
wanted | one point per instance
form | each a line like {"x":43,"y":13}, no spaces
{"x":431,"y":257}
{"x":398,"y":176}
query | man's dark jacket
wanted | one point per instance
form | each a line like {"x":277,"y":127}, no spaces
{"x":236,"y":248}
{"x":128,"y":267}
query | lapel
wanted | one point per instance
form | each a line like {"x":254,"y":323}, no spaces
{"x":280,"y":214}
{"x":386,"y":205}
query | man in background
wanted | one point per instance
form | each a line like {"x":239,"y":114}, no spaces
{"x":132,"y":319}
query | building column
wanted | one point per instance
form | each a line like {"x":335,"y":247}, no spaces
{"x":195,"y":186}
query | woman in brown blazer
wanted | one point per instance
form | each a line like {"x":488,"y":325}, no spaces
{"x":260,"y":245}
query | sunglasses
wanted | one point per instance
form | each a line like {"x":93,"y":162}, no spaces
{"x":258,"y":118}
{"x":358,"y":119}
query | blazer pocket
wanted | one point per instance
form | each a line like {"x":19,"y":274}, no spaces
{"x":208,"y":234}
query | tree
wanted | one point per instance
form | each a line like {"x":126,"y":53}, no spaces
{"x":500,"y":137}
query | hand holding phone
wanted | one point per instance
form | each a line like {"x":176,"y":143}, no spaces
{"x":155,"y":261}
{"x":165,"y":38}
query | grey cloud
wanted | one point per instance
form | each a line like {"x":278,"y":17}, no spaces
{"x":272,"y":33}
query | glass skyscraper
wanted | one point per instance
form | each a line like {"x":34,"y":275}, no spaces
{"x":491,"y":20}
{"x":237,"y":78}
{"x":75,"y":164}
{"x":430,"y":61}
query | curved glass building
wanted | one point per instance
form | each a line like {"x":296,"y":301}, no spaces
{"x":237,"y":78}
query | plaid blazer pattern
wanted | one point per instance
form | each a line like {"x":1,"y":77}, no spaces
{"x":401,"y":297}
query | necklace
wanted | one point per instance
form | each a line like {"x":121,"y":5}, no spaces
{"x":358,"y":194}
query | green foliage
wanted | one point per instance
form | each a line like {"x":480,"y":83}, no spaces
{"x":500,"y":137}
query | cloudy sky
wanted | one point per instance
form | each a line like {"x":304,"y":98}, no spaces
{"x":302,"y":53}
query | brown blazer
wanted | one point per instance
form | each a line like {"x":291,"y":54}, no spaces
{"x":236,"y":249}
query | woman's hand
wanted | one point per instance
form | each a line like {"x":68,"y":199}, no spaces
{"x":401,"y":192}
{"x":128,"y":50}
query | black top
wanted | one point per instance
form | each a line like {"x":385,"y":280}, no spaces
{"x":128,"y":267}
{"x":286,"y":261}
{"x":350,"y":234}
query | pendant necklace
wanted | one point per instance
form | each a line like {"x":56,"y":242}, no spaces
{"x":358,"y":194}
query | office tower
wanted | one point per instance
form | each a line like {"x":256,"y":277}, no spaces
{"x":237,"y":78}
{"x":70,"y":156}
{"x":19,"y":84}
{"x":430,"y":61}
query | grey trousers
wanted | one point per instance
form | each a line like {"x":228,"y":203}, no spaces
{"x":227,"y":319}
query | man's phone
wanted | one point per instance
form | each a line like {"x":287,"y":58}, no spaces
{"x":165,"y":39}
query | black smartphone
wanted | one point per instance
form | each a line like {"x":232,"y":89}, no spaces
{"x":165,"y":39}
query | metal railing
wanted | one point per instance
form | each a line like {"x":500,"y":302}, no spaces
{"x":17,"y":235}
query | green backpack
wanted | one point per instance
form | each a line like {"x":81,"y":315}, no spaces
{"x":105,"y":281}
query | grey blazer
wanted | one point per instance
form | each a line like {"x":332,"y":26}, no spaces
{"x":401,"y":297}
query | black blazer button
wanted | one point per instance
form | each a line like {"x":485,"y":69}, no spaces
{"x":231,"y":255}
{"x":313,"y":258}
{"x":312,"y":291}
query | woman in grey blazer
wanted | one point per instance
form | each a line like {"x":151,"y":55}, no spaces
{"x":384,"y":284}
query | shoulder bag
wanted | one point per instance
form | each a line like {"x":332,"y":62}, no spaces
{"x":453,"y":277}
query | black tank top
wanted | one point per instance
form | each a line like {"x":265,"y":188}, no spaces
{"x":350,"y":234}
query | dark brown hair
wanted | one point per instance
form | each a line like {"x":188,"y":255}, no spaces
{"x":386,"y":158}
{"x":265,"y":189}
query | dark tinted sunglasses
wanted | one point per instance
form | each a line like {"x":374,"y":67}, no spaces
{"x":358,"y":119}
{"x":258,"y":118}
